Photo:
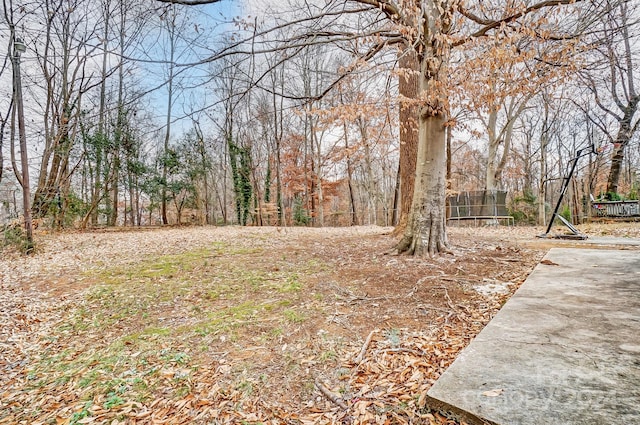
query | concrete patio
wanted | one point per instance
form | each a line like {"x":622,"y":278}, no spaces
{"x":565,"y":349}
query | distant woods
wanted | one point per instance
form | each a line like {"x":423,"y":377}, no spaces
{"x":149,"y":113}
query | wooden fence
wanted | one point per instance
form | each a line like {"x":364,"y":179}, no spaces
{"x":616,"y":209}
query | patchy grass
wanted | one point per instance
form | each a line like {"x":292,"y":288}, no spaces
{"x":142,"y":327}
{"x":200,"y":287}
{"x":236,"y":324}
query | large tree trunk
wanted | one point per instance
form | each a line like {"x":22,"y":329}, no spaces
{"x":616,"y":166}
{"x":408,"y":88}
{"x":426,"y":232}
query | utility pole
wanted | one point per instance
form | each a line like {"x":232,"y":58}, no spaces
{"x":18,"y":48}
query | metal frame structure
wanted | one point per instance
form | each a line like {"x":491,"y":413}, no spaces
{"x":575,"y":233}
{"x":479,"y":206}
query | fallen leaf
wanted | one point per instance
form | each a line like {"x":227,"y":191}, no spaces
{"x":61,"y":421}
{"x":549,"y":263}
{"x":493,"y":393}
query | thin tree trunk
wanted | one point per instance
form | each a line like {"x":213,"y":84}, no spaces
{"x":372,"y":187}
{"x":396,"y":199}
{"x":97,"y":187}
{"x":278,"y":126}
{"x":167,"y":134}
{"x":544,"y":142}
{"x":352,"y":201}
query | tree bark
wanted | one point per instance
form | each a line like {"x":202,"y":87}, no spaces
{"x":622,"y":140}
{"x":426,"y":233}
{"x":408,"y":89}
{"x":171,"y":28}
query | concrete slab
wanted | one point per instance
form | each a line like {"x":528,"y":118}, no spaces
{"x":595,"y":242}
{"x":607,"y":241}
{"x":565,"y":349}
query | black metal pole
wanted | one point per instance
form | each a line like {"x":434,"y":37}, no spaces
{"x":565,"y":185}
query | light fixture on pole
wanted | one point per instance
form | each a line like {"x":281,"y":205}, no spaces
{"x":18,"y":48}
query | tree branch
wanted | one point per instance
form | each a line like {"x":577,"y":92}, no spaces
{"x":190,"y":2}
{"x":375,"y":49}
{"x":598,"y":124}
{"x":491,"y":25}
{"x":472,"y":17}
{"x":387,"y":7}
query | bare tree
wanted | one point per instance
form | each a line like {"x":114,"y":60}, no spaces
{"x":612,"y":80}
{"x":433,"y":30}
{"x":109,"y":109}
{"x":63,"y":56}
{"x":4,"y":119}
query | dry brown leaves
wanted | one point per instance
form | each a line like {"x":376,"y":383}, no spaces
{"x":389,"y":383}
{"x":380,"y":373}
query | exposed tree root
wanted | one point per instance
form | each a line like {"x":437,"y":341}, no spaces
{"x":424,"y":238}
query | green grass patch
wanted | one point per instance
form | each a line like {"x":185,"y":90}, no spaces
{"x":230,"y":318}
{"x":142,"y":320}
{"x":292,"y":284}
{"x":293,"y":316}
{"x":163,"y":267}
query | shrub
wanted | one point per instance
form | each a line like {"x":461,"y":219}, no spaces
{"x":13,"y":235}
{"x":300,"y":216}
{"x":524,"y":209}
{"x":633,"y":192}
{"x":566,"y":213}
{"x":612,"y":196}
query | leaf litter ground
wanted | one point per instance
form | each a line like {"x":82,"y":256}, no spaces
{"x":244,"y":325}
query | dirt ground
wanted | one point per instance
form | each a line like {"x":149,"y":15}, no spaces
{"x":246,"y":325}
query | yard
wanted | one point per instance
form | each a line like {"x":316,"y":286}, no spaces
{"x":245,"y":325}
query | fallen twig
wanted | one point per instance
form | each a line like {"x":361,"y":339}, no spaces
{"x":449,"y":300}
{"x":424,"y":307}
{"x":329,"y":395}
{"x":403,"y":350}
{"x":363,"y":350}
{"x":367,"y":298}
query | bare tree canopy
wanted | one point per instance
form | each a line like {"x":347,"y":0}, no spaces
{"x":190,"y":2}
{"x":337,"y":113}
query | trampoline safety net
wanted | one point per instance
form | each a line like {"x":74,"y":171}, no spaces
{"x":478,"y":204}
